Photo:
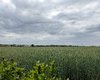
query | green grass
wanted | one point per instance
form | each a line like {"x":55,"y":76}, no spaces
{"x":77,"y":63}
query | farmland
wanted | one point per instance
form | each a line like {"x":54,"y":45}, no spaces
{"x":76,"y":63}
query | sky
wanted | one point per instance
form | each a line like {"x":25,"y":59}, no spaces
{"x":66,"y":22}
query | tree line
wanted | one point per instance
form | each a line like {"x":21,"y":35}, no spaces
{"x":33,"y":45}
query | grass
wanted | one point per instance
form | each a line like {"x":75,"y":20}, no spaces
{"x":76,"y":63}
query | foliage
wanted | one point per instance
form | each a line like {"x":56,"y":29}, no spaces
{"x":10,"y":71}
{"x":43,"y":72}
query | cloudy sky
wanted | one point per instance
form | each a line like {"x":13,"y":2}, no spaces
{"x":74,"y":22}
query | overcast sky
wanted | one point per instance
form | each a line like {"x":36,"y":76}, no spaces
{"x":75,"y":22}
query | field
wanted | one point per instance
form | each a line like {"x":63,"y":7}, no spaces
{"x":76,"y":63}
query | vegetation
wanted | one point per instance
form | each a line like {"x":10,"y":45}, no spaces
{"x":75,"y":63}
{"x":10,"y":71}
{"x":32,"y":45}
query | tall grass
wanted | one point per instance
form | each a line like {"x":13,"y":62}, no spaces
{"x":76,"y":63}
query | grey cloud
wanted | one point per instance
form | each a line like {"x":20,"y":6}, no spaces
{"x":90,"y":33}
{"x":77,"y":16}
{"x":94,"y":28}
{"x":2,"y":36}
{"x":31,"y":17}
{"x":31,"y":26}
{"x":17,"y":23}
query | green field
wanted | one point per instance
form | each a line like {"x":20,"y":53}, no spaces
{"x":76,"y":63}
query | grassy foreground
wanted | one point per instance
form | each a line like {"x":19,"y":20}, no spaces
{"x":75,"y":63}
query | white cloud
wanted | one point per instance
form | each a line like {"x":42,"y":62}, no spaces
{"x":7,"y":4}
{"x":92,"y":5}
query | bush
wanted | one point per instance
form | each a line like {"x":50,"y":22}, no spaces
{"x":10,"y":71}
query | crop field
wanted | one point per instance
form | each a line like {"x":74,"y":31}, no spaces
{"x":75,"y":63}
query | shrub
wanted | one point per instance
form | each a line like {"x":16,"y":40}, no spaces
{"x":10,"y":71}
{"x":43,"y":72}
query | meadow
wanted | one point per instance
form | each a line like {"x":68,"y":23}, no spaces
{"x":75,"y":63}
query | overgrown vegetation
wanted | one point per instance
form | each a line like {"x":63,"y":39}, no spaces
{"x":9,"y":70}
